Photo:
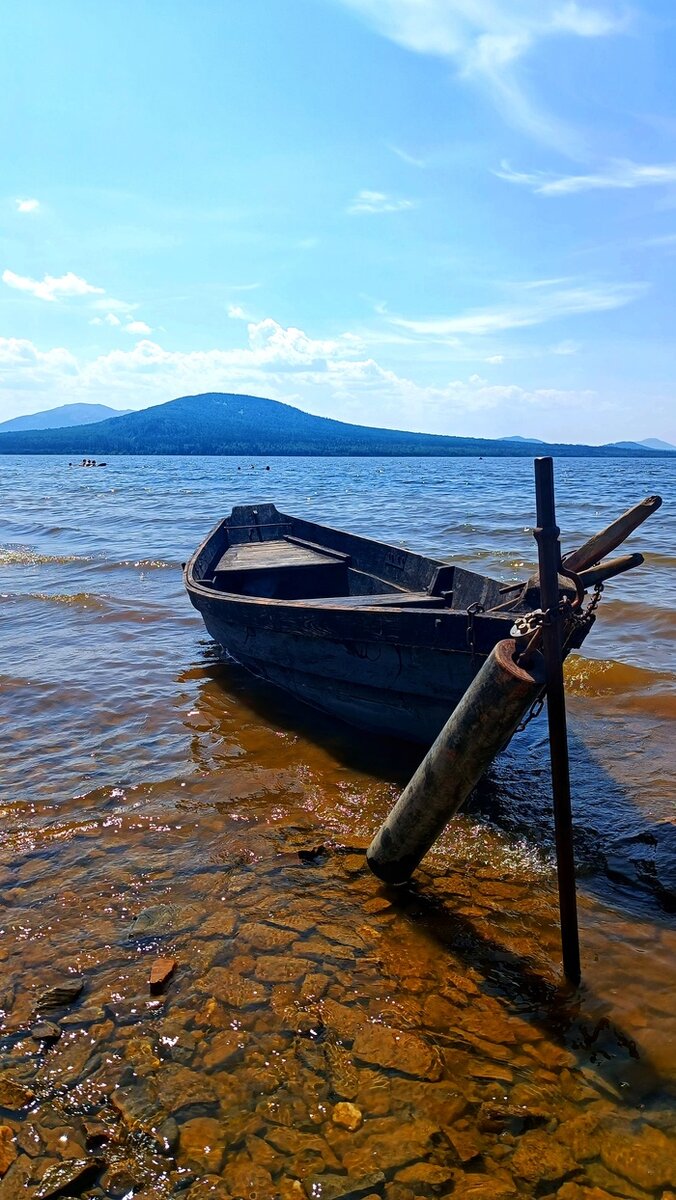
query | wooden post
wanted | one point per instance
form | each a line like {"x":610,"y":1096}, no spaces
{"x":483,"y":722}
{"x":549,"y":561}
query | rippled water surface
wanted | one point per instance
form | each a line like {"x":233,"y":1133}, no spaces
{"x":320,"y":1035}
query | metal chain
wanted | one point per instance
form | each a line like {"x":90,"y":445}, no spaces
{"x":579,"y":620}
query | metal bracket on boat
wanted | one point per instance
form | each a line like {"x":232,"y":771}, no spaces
{"x":472,"y":612}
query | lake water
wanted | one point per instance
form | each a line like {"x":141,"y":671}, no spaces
{"x":141,"y":777}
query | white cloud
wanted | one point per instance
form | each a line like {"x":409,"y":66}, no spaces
{"x":50,"y":288}
{"x":236,"y":313}
{"x":411,"y":159}
{"x":619,"y":174}
{"x":377,"y":202}
{"x":137,"y":327}
{"x":495,"y":359}
{"x":486,"y":39}
{"x":114,"y":306}
{"x":544,"y":300}
{"x":28,"y":205}
{"x":334,"y":377}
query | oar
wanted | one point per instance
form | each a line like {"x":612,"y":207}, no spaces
{"x":609,"y":568}
{"x":610,"y":538}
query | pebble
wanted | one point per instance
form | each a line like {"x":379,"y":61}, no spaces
{"x":161,"y":971}
{"x":347,"y":1115}
{"x":343,"y":1187}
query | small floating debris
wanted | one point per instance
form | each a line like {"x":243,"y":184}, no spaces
{"x":161,"y":972}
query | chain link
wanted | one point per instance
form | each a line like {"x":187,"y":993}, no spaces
{"x":579,"y":621}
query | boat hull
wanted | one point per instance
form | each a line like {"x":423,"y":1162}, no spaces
{"x":387,"y":688}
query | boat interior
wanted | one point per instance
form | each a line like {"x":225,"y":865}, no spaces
{"x":260,"y":552}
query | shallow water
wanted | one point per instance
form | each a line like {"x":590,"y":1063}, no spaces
{"x":139,"y":773}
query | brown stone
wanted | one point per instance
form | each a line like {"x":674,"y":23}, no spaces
{"x":646,"y":1157}
{"x":58,"y":1178}
{"x":242,"y":1177}
{"x":161,"y":971}
{"x":465,"y":1142}
{"x":386,"y":1145}
{"x":396,"y":1050}
{"x":7,"y":1148}
{"x":280,"y":968}
{"x":119,"y":1180}
{"x":600,"y":1177}
{"x":343,"y":1187}
{"x":15,"y":1182}
{"x":63,"y":993}
{"x":439,"y":1013}
{"x":539,"y":1157}
{"x":13,"y":1094}
{"x":426,"y":1174}
{"x":341,"y":1070}
{"x":581,"y":1135}
{"x":483,"y":1187}
{"x":225,"y":984}
{"x":261,"y":937}
{"x":347,"y":1115}
{"x":178,"y":1087}
{"x":313,"y":987}
{"x":377,"y":905}
{"x":224,"y":1048}
{"x":342,"y":1019}
{"x":489,"y":1070}
{"x":45,"y":1031}
{"x":201,"y":1144}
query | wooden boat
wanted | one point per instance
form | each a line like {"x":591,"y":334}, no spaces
{"x":384,"y":638}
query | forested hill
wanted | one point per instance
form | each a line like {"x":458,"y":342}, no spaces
{"x":226,"y":423}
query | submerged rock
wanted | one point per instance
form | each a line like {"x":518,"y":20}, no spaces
{"x":646,"y":1157}
{"x":61,"y":994}
{"x":343,"y":1187}
{"x":45,"y":1031}
{"x":8,"y":1151}
{"x":56,"y":1179}
{"x":396,"y":1050}
{"x":539,"y":1157}
{"x":13,"y":1094}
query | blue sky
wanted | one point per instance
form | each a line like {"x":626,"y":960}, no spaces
{"x":447,"y":215}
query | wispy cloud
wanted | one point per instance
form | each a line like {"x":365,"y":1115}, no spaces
{"x":533,"y":304}
{"x":377,"y":202}
{"x":411,"y":159}
{"x":51,"y":287}
{"x":486,"y":39}
{"x":29,"y":205}
{"x":619,"y":174}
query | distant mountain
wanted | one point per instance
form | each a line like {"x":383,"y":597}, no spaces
{"x":63,"y":417}
{"x":516,"y":437}
{"x":657,"y":444}
{"x":225,"y":423}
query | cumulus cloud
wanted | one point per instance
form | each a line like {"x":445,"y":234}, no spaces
{"x":486,"y":39}
{"x":51,"y":287}
{"x":137,"y":327}
{"x":620,"y":174}
{"x":328,"y":376}
{"x":377,"y":202}
{"x":29,"y":205}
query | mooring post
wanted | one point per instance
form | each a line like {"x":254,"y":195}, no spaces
{"x":549,"y":561}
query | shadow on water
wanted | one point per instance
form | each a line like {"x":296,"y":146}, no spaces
{"x":612,"y":1061}
{"x":574,"y":1017}
{"x":622,"y":857}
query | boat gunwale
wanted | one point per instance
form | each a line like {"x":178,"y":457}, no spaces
{"x":196,"y":586}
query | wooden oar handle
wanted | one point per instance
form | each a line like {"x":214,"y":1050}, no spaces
{"x":610,"y":538}
{"x":609,"y":569}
